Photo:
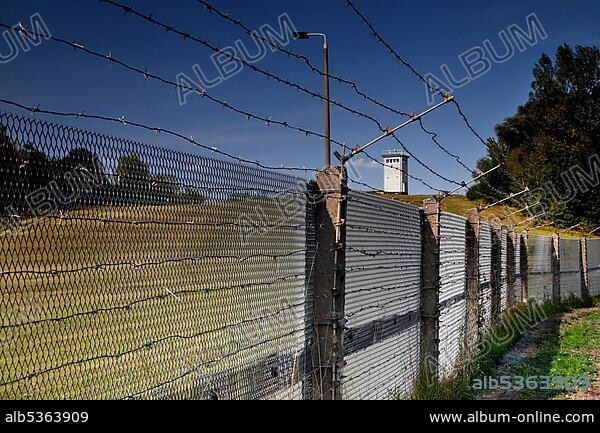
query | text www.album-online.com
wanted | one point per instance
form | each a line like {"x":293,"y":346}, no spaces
{"x":535,"y":417}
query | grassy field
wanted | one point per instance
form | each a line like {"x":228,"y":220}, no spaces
{"x":460,"y":205}
{"x":113,"y":302}
{"x":564,"y":346}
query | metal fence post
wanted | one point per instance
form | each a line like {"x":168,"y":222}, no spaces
{"x":555,"y":268}
{"x":329,"y":304}
{"x":430,"y":288}
{"x":473,"y":282}
{"x":511,"y":273}
{"x":496,"y":272}
{"x":524,"y":267}
{"x":585,"y":278}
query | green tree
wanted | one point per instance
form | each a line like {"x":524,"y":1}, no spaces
{"x":132,"y":174}
{"x":556,"y":129}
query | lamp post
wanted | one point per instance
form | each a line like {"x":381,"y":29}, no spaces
{"x":304,"y":36}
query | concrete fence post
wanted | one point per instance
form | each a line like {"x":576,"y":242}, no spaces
{"x":473,"y":281}
{"x":430,"y":288}
{"x":524,"y":267}
{"x":329,"y":296}
{"x":511,"y":268}
{"x":496,"y":282}
{"x":585,"y":278}
{"x":556,"y":268}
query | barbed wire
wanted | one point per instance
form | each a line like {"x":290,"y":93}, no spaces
{"x":126,"y":122}
{"x":379,"y":253}
{"x":209,"y":363}
{"x":411,"y":68}
{"x":379,"y":306}
{"x":149,"y":345}
{"x":270,"y":75}
{"x":307,"y":61}
{"x":279,"y":48}
{"x":195,"y":89}
{"x":434,"y":138}
{"x":138,"y":265}
{"x":284,"y":124}
{"x":127,"y":307}
{"x":264,"y":72}
{"x":138,"y":223}
{"x":374,"y":189}
{"x":384,"y":289}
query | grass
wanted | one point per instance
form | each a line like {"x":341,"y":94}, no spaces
{"x":214,"y":314}
{"x":496,"y":343}
{"x":460,"y":205}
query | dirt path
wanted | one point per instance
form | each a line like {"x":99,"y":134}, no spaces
{"x":540,"y":346}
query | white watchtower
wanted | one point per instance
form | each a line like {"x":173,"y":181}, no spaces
{"x":395,"y":172}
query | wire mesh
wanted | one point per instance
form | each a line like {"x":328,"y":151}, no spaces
{"x":132,"y":271}
{"x":383,"y":279}
{"x":452,"y":290}
{"x":570,"y":268}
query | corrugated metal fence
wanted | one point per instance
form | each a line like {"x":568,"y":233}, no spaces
{"x":485,"y":274}
{"x":593,"y":260}
{"x":452,"y":290}
{"x":383,"y":281}
{"x":570,"y":268}
{"x":540,"y":268}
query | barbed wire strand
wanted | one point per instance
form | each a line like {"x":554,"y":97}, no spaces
{"x":123,"y":121}
{"x":305,"y":59}
{"x":281,"y":49}
{"x":411,"y":68}
{"x":196,"y":89}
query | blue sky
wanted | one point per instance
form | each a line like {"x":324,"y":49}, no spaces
{"x":428,"y":34}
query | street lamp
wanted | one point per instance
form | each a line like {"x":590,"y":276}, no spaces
{"x":304,"y":36}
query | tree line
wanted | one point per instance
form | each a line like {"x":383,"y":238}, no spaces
{"x":552,"y":143}
{"x":79,"y":179}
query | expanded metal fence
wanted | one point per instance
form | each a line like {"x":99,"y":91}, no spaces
{"x":131,"y":271}
{"x":383,"y":285}
{"x":135,"y":272}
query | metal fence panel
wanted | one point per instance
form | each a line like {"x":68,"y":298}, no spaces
{"x":140,"y":272}
{"x":452,"y":289}
{"x":485,"y":274}
{"x":383,"y":278}
{"x":570,"y":268}
{"x":503,"y":272}
{"x":594,"y":266}
{"x":518,"y":281}
{"x":540,"y":268}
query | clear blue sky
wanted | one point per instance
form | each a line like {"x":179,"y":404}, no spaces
{"x":428,"y":34}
